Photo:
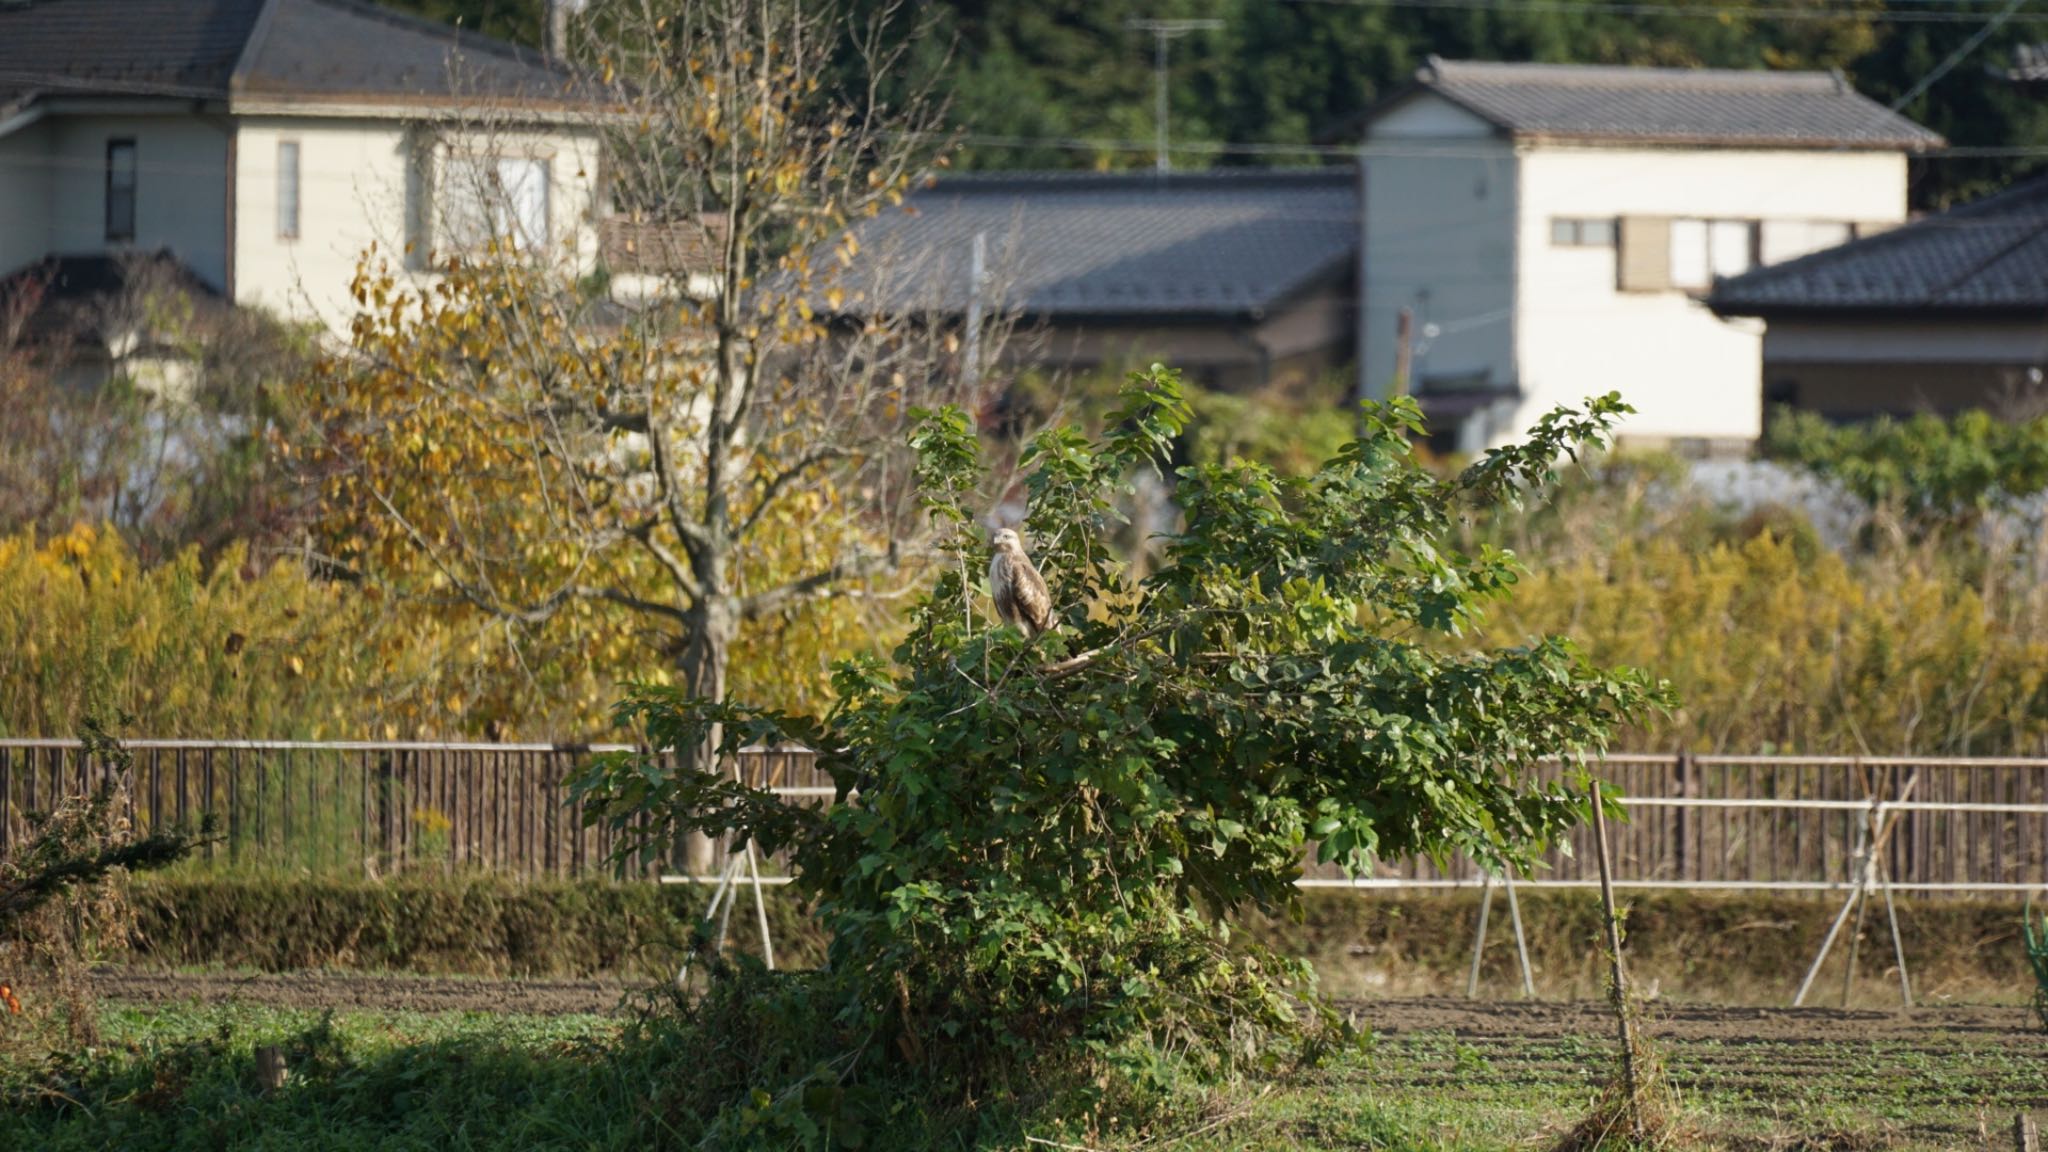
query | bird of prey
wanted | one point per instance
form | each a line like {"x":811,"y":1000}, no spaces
{"x":1019,"y":591}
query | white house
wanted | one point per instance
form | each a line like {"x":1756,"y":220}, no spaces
{"x":265,"y":144}
{"x":1552,"y":230}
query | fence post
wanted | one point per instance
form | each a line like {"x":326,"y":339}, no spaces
{"x":1687,"y":787}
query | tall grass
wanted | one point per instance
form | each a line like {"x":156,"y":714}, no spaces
{"x":1777,"y":642}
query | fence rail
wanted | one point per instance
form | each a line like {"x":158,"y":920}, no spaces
{"x":1770,"y":823}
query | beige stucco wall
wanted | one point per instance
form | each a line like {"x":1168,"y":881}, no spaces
{"x":354,"y":179}
{"x":181,"y":185}
{"x":1688,"y":373}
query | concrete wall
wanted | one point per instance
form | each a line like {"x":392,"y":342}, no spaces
{"x":1689,"y":374}
{"x":25,"y":167}
{"x":1440,"y":241}
{"x":180,"y":192}
{"x":1854,"y":369}
{"x":357,"y":187}
{"x":1859,"y":391}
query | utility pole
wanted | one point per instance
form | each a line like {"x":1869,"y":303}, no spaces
{"x":559,"y":12}
{"x":970,"y":371}
{"x":1404,"y":351}
{"x":1163,"y":31}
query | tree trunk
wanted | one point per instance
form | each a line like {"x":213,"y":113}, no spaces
{"x":715,"y":623}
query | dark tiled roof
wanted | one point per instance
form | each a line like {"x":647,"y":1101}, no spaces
{"x":335,"y":50}
{"x":1989,"y":256}
{"x":148,"y":47}
{"x":1673,"y":105}
{"x":348,"y":49}
{"x":1192,"y":244}
{"x":63,"y":293}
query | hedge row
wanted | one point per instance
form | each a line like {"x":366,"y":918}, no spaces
{"x":477,"y":926}
{"x":1726,"y":948}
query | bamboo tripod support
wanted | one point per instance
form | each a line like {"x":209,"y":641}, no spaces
{"x":727,"y":894}
{"x":1479,"y":937}
{"x":1876,"y":833}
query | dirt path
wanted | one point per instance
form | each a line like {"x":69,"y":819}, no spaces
{"x":1470,"y":1020}
{"x":363,"y":990}
{"x":1467,"y":1020}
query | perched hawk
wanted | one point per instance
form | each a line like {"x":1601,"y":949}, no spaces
{"x":1018,"y":589}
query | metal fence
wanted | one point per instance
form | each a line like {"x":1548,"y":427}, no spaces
{"x":1744,"y":822}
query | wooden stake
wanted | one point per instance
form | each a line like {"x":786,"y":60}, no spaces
{"x":2026,"y":1135}
{"x":271,"y":1073}
{"x":1404,"y":352}
{"x":1521,"y":941}
{"x":1620,"y":993}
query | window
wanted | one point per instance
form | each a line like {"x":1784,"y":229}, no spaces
{"x":1704,"y":250}
{"x":120,"y":190}
{"x":288,"y":189}
{"x":1566,"y":232}
{"x":1789,"y":239}
{"x":502,"y":198}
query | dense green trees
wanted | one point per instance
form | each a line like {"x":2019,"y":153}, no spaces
{"x":1037,"y":83}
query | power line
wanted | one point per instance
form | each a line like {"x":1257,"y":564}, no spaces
{"x":1956,"y":57}
{"x":1700,"y":11}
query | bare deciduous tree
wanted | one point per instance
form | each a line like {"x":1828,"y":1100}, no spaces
{"x":723,"y":442}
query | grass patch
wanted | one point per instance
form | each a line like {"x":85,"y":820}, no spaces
{"x":185,"y":1078}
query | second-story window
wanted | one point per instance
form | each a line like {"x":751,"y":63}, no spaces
{"x":1569,"y":232}
{"x":1703,"y":251}
{"x":288,"y":189}
{"x":120,"y":190}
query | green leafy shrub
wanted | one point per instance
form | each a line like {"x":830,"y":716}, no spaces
{"x":479,"y":925}
{"x":1040,"y":843}
{"x":1939,"y":473}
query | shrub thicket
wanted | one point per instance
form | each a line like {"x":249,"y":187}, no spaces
{"x":1041,"y":842}
{"x":63,"y":906}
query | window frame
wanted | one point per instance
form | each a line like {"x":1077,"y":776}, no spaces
{"x":1571,"y":232}
{"x":1708,"y":228}
{"x":473,"y":206}
{"x":288,"y":223}
{"x":116,"y":144}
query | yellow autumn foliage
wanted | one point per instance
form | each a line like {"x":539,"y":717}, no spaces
{"x":1772,"y":645}
{"x":240,"y":650}
{"x":473,"y":474}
